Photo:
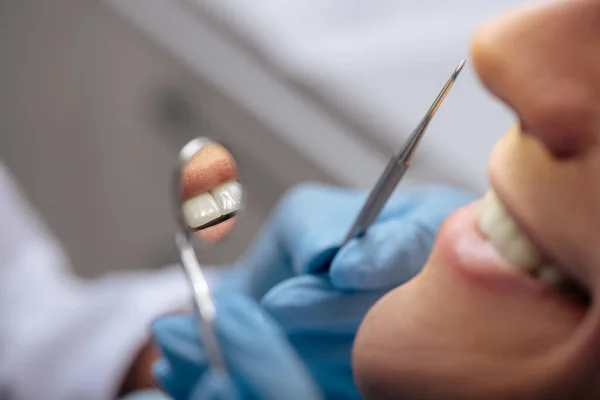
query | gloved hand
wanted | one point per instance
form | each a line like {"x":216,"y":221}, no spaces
{"x":261,"y":362}
{"x":321,"y":312}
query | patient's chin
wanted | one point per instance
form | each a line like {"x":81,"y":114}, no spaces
{"x":399,"y":354}
{"x":441,"y":337}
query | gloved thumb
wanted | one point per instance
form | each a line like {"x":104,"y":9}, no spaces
{"x":395,"y":249}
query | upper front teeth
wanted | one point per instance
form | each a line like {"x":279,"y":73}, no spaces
{"x":497,"y":226}
{"x":228,"y":196}
{"x":200,"y":210}
{"x":207,"y":207}
{"x":501,"y":230}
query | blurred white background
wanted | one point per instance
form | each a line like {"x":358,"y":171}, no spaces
{"x":92,"y":116}
{"x":97,"y":97}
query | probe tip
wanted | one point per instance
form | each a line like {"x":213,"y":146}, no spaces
{"x":458,"y":69}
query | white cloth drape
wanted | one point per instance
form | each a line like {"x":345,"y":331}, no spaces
{"x":60,"y":337}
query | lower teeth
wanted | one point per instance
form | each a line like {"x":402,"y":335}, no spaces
{"x":551,"y":276}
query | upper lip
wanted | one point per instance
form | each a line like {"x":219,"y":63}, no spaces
{"x":195,"y":183}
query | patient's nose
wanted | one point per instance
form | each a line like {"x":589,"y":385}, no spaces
{"x":543,"y":60}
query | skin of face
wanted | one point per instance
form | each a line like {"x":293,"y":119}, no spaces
{"x":211,"y":166}
{"x":470,"y":326}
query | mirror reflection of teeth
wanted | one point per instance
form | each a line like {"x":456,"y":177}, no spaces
{"x":228,"y":196}
{"x":207,"y":207}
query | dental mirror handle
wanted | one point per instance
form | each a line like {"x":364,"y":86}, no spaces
{"x":203,"y":302}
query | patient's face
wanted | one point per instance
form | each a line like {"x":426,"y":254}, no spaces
{"x":506,"y":307}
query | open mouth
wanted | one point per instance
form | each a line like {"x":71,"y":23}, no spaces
{"x":213,"y":207}
{"x":498,"y":227}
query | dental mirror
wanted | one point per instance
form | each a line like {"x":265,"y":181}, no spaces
{"x":207,"y":197}
{"x":210,"y":193}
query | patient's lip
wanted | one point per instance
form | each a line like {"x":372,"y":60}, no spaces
{"x":217,"y":232}
{"x":466,"y":251}
{"x":476,"y":261}
{"x":209,"y":167}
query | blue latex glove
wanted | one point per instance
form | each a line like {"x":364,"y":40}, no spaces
{"x":261,"y":362}
{"x":321,"y":312}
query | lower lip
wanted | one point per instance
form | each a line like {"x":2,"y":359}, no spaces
{"x":217,"y":232}
{"x":472,"y":258}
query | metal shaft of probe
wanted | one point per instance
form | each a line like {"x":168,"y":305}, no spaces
{"x":396,"y":168}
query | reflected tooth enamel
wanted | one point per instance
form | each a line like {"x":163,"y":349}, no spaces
{"x":550,"y":275}
{"x":499,"y":228}
{"x":200,"y":210}
{"x":228,"y":196}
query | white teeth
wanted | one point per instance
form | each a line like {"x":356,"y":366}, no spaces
{"x":500,"y":229}
{"x":551,"y":276}
{"x":200,"y":210}
{"x":228,"y":196}
{"x":206,"y":207}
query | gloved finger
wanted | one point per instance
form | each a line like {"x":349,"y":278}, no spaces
{"x":303,"y":235}
{"x":165,"y":378}
{"x":304,"y":230}
{"x":255,"y":347}
{"x":322,"y":235}
{"x":246,"y":336}
{"x":389,"y":255}
{"x":395,"y":249}
{"x":329,"y":360}
{"x":310,"y":303}
{"x":215,"y":386}
{"x":177,"y":338}
{"x":313,"y":220}
{"x":324,"y":349}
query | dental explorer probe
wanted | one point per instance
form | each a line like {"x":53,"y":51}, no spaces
{"x":397,"y":167}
